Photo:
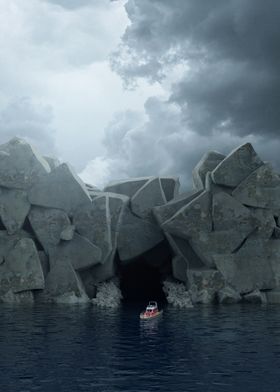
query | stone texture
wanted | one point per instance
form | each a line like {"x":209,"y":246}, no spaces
{"x":49,"y":225}
{"x":79,"y":252}
{"x":136,"y":236}
{"x":127,"y":187}
{"x":22,"y":269}
{"x":254,"y":266}
{"x":67,"y":234}
{"x":20,"y":165}
{"x":61,"y":189}
{"x":232,"y":222}
{"x":100,"y":221}
{"x":8,"y":242}
{"x":62,"y":280}
{"x":228,"y":295}
{"x":238,"y":165}
{"x":207,"y":164}
{"x":260,"y":189}
{"x":193,"y":219}
{"x":91,"y":277}
{"x":265,"y":223}
{"x":148,"y":196}
{"x":183,"y":249}
{"x":14,"y":207}
{"x":220,"y":241}
{"x":94,"y":223}
{"x":204,"y":284}
{"x":166,"y":211}
{"x":170,"y":187}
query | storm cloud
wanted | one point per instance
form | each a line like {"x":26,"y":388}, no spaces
{"x":226,"y":91}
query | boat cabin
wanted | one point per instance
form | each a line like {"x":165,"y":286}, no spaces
{"x":152,"y":307}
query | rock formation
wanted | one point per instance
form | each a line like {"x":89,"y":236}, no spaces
{"x":68,"y":242}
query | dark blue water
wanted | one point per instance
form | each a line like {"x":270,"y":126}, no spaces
{"x":74,"y":348}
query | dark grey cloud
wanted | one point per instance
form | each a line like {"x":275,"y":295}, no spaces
{"x":30,"y":120}
{"x":158,"y":143}
{"x":231,"y":48}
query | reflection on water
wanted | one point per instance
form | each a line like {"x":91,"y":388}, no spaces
{"x":150,"y":327}
{"x":82,"y":348}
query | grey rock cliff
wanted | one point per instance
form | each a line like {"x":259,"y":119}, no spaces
{"x":60,"y":238}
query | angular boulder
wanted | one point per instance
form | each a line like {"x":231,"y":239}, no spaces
{"x":22,"y":269}
{"x":234,"y":222}
{"x":14,"y":207}
{"x":148,"y":196}
{"x":64,"y":283}
{"x":99,"y":222}
{"x":207,"y":164}
{"x":166,"y":211}
{"x":265,"y":223}
{"x":236,"y":166}
{"x":48,"y":225}
{"x":136,"y":236}
{"x":21,"y":166}
{"x":8,"y":242}
{"x":79,"y":252}
{"x":260,"y":189}
{"x":191,"y":220}
{"x":61,"y":189}
{"x":182,"y":249}
{"x":254,"y":266}
{"x":127,"y":187}
{"x":94,"y":223}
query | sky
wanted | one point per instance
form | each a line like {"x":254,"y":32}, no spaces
{"x":129,"y":88}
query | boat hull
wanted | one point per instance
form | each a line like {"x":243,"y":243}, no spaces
{"x":156,"y":315}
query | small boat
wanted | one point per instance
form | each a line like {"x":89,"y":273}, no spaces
{"x":151,"y":311}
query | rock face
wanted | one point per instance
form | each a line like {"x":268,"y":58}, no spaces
{"x":61,"y":189}
{"x":231,"y":226}
{"x":20,"y":165}
{"x":14,"y":207}
{"x":207,"y":164}
{"x":238,"y":165}
{"x":68,"y":242}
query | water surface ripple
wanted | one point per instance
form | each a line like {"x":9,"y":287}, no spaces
{"x":82,"y":348}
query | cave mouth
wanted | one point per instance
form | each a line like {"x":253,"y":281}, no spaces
{"x":141,"y":279}
{"x":141,"y":282}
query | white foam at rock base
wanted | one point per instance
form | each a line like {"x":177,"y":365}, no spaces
{"x":176,"y":294}
{"x":108,"y":295}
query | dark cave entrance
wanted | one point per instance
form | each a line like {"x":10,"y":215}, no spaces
{"x":141,"y":279}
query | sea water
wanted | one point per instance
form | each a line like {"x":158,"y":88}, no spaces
{"x":83,"y":348}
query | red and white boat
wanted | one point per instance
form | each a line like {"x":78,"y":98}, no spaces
{"x":151,"y":311}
